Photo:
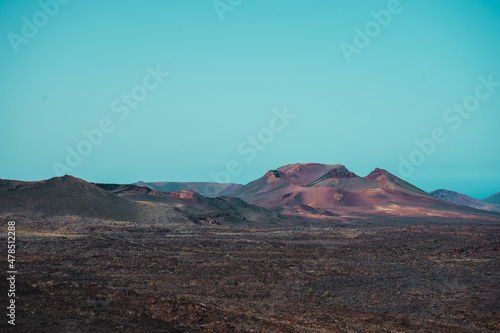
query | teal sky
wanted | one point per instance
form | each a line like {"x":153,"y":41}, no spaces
{"x":225,"y":78}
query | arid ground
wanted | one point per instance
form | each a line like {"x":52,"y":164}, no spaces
{"x":378,"y":275}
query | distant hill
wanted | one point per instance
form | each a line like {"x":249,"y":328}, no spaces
{"x":207,"y":189}
{"x":493,"y":199}
{"x":201,"y":207}
{"x":127,"y":189}
{"x":462,"y":199}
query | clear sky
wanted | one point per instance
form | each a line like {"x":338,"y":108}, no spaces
{"x":228,"y":89}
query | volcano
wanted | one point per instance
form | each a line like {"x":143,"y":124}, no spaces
{"x":304,"y":190}
{"x":62,"y":196}
{"x":311,"y":189}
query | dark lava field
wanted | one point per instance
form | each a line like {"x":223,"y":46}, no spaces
{"x":378,"y":275}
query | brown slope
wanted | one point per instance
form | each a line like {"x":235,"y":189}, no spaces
{"x":387,"y":180}
{"x":305,"y":173}
{"x":207,"y":189}
{"x":126,"y":189}
{"x":304,"y":177}
{"x":304,"y":188}
{"x":9,"y":184}
{"x":65,"y":195}
{"x":286,"y":179}
{"x":342,"y":179}
{"x":190,"y":201}
{"x":220,"y":209}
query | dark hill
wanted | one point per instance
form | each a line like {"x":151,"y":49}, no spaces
{"x":65,"y":195}
{"x":206,"y":189}
{"x":464,"y":200}
{"x":493,"y":199}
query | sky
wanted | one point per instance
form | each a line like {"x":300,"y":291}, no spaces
{"x":119,"y":91}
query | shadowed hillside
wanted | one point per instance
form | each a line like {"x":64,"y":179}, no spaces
{"x":204,"y":188}
{"x":462,"y":199}
{"x":65,"y":195}
{"x":493,"y":199}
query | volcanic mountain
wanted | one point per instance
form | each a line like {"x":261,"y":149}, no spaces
{"x":69,"y":196}
{"x":65,"y":195}
{"x":303,"y":190}
{"x":318,"y":189}
{"x":493,"y":199}
{"x":462,"y":199}
{"x":201,"y":207}
{"x":207,"y":189}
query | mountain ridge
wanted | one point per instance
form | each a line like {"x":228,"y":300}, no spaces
{"x":493,"y":199}
{"x":332,"y":189}
{"x":464,"y":200}
{"x":310,"y":190}
{"x":209,"y":189}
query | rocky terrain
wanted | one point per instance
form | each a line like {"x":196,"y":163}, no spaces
{"x":312,"y":250}
{"x":364,"y":276}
